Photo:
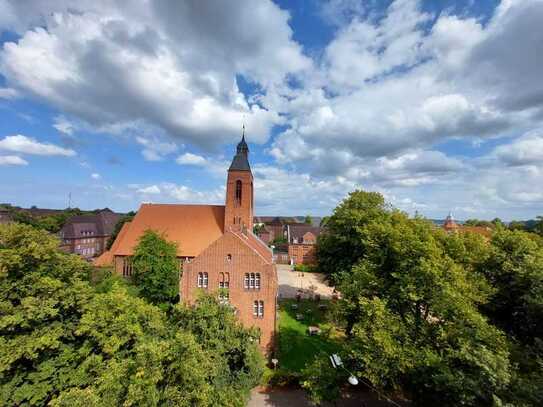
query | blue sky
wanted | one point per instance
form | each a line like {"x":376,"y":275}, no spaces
{"x":436,"y":104}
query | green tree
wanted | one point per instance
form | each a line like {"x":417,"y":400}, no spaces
{"x":411,"y":299}
{"x":515,"y":269}
{"x":343,"y":243}
{"x":539,"y":226}
{"x":239,"y":363}
{"x":42,"y":296}
{"x":412,"y":313}
{"x":63,"y":344}
{"x":156,"y":268}
{"x":308,"y":220}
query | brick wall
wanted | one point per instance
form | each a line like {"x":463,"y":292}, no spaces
{"x":244,"y":209}
{"x":302,"y":253}
{"x":215,"y":260}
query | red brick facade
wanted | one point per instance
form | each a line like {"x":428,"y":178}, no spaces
{"x":230,"y":259}
{"x":302,"y":253}
{"x":239,"y":199}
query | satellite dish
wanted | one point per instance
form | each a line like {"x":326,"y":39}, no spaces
{"x":353,"y":380}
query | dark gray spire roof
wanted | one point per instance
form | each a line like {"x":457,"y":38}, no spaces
{"x":241,"y":159}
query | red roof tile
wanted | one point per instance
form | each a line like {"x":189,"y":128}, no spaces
{"x":192,"y":227}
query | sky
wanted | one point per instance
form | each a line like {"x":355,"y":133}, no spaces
{"x":436,"y":104}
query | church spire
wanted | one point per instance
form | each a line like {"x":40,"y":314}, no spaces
{"x":241,"y":159}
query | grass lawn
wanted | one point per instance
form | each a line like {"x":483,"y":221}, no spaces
{"x":296,"y":346}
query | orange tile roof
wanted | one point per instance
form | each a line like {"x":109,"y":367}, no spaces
{"x":480,"y":230}
{"x":192,"y":227}
{"x":106,"y":258}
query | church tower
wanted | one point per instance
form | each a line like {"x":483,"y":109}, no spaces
{"x":239,"y":190}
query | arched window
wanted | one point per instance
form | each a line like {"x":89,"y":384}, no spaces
{"x":238,"y":191}
{"x":257,"y":281}
{"x":252,"y":280}
{"x":205,"y":280}
{"x":246,"y":283}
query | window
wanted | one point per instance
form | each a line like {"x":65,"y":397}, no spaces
{"x":258,"y":309}
{"x":224,"y":285}
{"x":228,"y":257}
{"x":127,"y":266}
{"x":238,"y":192}
{"x":252,"y":281}
{"x":202,"y":280}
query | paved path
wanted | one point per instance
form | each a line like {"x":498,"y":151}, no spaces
{"x":291,"y":281}
{"x":292,"y":397}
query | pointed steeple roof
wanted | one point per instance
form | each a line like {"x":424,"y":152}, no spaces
{"x":241,"y":159}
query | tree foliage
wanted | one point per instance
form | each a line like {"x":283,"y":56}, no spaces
{"x":156,"y":268}
{"x":411,"y":305}
{"x":63,"y":343}
{"x":342,"y":244}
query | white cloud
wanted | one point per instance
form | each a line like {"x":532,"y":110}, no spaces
{"x":26,"y":145}
{"x":150,"y":190}
{"x":12,"y":160}
{"x":527,"y":150}
{"x":155,"y":148}
{"x":95,"y":175}
{"x":191,"y":159}
{"x":8,"y":93}
{"x":63,"y":125}
{"x":173,"y":65}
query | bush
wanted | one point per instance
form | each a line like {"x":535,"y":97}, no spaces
{"x":305,"y":268}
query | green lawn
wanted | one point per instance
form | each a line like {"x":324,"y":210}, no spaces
{"x":296,"y":347}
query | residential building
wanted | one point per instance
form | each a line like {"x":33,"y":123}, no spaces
{"x":302,"y":243}
{"x":217,"y":250}
{"x":451,"y":226}
{"x":87,"y":235}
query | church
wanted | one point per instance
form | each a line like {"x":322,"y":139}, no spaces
{"x":217,"y":249}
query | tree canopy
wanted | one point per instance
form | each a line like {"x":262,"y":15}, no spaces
{"x":64,"y":343}
{"x":156,"y":268}
{"x":448,"y":319}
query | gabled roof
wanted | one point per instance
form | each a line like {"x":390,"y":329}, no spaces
{"x":297,"y":231}
{"x":251,"y":240}
{"x":100,"y":224}
{"x":106,"y":258}
{"x":192,"y":227}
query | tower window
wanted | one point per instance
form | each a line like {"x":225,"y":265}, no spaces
{"x":238,"y":192}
